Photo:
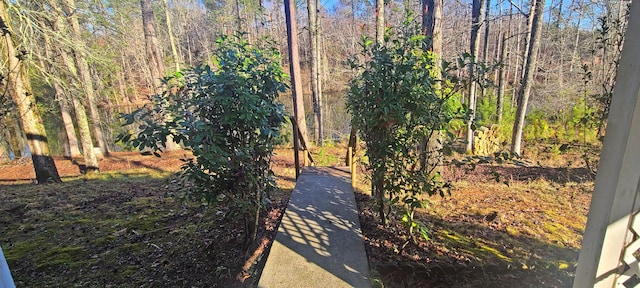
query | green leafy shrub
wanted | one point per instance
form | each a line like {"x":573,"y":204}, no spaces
{"x":537,"y":126}
{"x":227,"y":116}
{"x":398,"y":103}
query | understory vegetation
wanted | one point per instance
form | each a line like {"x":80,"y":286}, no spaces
{"x":123,"y":227}
{"x":226,"y":115}
{"x":443,"y":199}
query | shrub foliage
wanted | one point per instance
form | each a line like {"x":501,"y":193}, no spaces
{"x":227,"y":116}
{"x":398,"y":103}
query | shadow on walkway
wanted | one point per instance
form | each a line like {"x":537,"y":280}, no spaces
{"x":319,"y":241}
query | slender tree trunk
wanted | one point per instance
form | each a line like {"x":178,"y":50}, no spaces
{"x":527,"y":80}
{"x":72,"y":148}
{"x":238,"y":16}
{"x":476,"y":21}
{"x":294,"y":68}
{"x":380,"y":22}
{"x":498,"y":40}
{"x":527,"y":42}
{"x":501,"y":77}
{"x":313,"y":37}
{"x":432,"y":28}
{"x":21,"y":93}
{"x":69,"y":127}
{"x":172,"y":37}
{"x":69,"y":8}
{"x":89,"y":155}
{"x":122,"y":88}
{"x":319,"y":72}
{"x":576,"y":42}
{"x":354,"y":26}
{"x":154,"y":57}
{"x":516,"y":67}
{"x":4,"y":149}
{"x":127,"y":79}
{"x":485,"y":45}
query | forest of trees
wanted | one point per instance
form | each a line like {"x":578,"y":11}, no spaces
{"x":68,"y":66}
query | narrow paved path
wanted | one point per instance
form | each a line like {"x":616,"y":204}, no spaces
{"x":319,"y":241}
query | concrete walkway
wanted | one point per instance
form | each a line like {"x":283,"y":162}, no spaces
{"x":319,"y":241}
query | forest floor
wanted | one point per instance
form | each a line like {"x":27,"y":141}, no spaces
{"x":122,"y":228}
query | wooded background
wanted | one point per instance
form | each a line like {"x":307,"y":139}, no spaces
{"x":68,"y":67}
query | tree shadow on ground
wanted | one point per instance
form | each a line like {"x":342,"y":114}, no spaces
{"x":462,"y":254}
{"x":558,"y":175}
{"x":123,"y":232}
{"x":319,"y":239}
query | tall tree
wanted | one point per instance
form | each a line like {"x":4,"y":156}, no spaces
{"x":503,"y":36}
{"x":315,"y":69}
{"x":72,"y":146}
{"x":172,"y":37}
{"x":67,"y":120}
{"x":485,"y":44}
{"x":380,"y":22}
{"x":432,"y":29}
{"x":79,"y":57}
{"x":19,"y":87}
{"x":476,"y":21}
{"x":528,"y":38}
{"x":90,"y":159}
{"x":502,"y":71}
{"x":154,"y":56}
{"x":537,"y":10}
{"x":294,"y":67}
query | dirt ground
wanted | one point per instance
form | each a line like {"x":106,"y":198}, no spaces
{"x":22,"y":169}
{"x":119,"y":228}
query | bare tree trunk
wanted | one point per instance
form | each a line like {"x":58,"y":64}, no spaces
{"x":527,"y":42}
{"x":319,"y":73}
{"x":516,"y":67}
{"x":69,"y":8}
{"x":238,"y":16}
{"x":501,"y":77}
{"x":498,"y":40}
{"x":20,"y":148}
{"x":122,"y":88}
{"x":485,"y":45}
{"x":4,"y":148}
{"x":313,"y":36}
{"x":72,"y":149}
{"x":527,"y":80}
{"x":432,"y":28}
{"x":172,"y":37}
{"x":476,"y":21}
{"x":20,"y":90}
{"x":69,"y":127}
{"x":90,"y":158}
{"x":294,"y":68}
{"x":574,"y":53}
{"x":380,"y":22}
{"x":154,"y":57}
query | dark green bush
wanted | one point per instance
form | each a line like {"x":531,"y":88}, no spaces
{"x":227,"y":116}
{"x":398,"y":103}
